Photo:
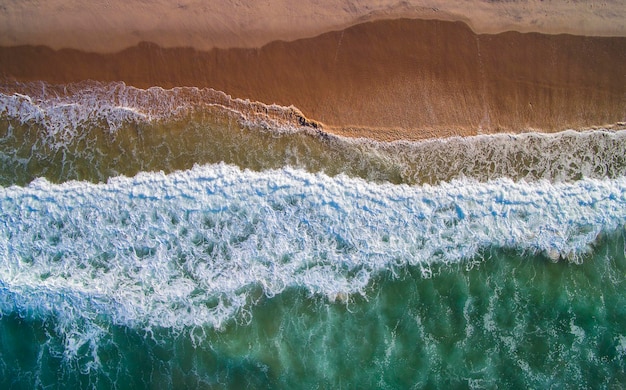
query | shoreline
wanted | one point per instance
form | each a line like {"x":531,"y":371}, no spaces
{"x":58,"y":128}
{"x":369,"y":80}
{"x":176,"y":101}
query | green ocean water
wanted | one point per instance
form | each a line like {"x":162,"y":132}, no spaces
{"x":504,"y":320}
{"x":250,"y":256}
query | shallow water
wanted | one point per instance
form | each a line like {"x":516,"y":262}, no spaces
{"x":201,"y":243}
{"x":96,"y":131}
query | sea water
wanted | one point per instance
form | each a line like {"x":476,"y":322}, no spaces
{"x":183,"y":239}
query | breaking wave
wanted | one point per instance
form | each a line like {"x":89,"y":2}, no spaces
{"x":190,"y":248}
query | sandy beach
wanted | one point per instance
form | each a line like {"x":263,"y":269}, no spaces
{"x":114,"y":25}
{"x":280,"y":194}
{"x":370,"y":70}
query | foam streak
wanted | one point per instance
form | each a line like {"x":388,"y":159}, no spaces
{"x":186,"y":248}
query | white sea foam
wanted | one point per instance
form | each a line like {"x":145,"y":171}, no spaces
{"x":64,"y":115}
{"x":187,"y":248}
{"x":66,"y":112}
{"x":562,"y":156}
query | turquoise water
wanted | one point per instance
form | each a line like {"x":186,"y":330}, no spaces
{"x":506,"y":321}
{"x":212,"y":249}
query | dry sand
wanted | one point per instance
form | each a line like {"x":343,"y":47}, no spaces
{"x":385,"y":79}
{"x":112,"y":25}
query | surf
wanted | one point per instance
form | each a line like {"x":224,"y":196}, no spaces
{"x":187,"y":248}
{"x":94,"y":131}
{"x":223,"y":239}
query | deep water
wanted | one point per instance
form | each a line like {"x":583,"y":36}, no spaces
{"x":503,"y":319}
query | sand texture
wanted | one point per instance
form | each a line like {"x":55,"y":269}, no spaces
{"x":388,"y":79}
{"x":382,"y":69}
{"x":112,"y":25}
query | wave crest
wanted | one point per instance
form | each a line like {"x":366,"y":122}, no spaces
{"x":190,"y":248}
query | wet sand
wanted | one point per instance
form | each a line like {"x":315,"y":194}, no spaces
{"x":391,"y":79}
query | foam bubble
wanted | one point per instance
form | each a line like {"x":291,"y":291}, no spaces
{"x":187,"y":249}
{"x":69,"y":110}
{"x":91,"y":131}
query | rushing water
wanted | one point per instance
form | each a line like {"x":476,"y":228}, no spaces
{"x":183,"y":239}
